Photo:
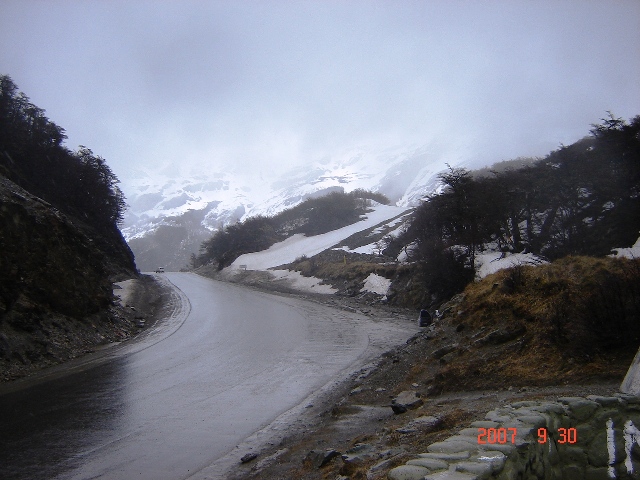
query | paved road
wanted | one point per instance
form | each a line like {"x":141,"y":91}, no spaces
{"x":166,"y":405}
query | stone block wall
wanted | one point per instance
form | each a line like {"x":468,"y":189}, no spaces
{"x":575,"y":438}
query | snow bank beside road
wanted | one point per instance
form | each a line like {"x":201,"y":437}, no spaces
{"x":306,"y":284}
{"x":376,"y":284}
{"x":297,"y":245}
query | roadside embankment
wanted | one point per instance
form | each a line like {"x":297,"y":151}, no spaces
{"x":572,"y":438}
{"x":57,"y":338}
{"x":526,"y":334}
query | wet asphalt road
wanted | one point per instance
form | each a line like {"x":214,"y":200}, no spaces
{"x":166,"y":405}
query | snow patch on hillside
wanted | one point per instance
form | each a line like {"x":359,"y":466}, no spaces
{"x":299,"y":282}
{"x":298,"y":245}
{"x":370,"y":249}
{"x":631,"y":252}
{"x":488,"y":263}
{"x":221,"y":198}
{"x":374,"y":248}
{"x":376,"y":284}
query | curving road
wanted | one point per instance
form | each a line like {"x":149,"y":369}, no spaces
{"x":171,"y":403}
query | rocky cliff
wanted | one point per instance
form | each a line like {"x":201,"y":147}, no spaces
{"x":56,"y":276}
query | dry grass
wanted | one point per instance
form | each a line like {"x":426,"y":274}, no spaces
{"x":355,"y":270}
{"x":579,"y":319}
{"x":341,"y":270}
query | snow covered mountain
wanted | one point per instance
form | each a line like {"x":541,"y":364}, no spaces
{"x":172,"y":212}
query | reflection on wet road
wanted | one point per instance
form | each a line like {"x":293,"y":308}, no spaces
{"x":173,"y":401}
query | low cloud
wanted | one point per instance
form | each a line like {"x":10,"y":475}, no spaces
{"x":269,"y":85}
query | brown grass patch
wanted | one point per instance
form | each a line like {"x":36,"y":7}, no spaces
{"x":352,"y":270}
{"x":580,"y":319}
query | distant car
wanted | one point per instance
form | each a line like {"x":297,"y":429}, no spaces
{"x":424,"y":320}
{"x":160,"y":270}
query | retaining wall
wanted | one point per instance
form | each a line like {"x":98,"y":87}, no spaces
{"x":592,"y":438}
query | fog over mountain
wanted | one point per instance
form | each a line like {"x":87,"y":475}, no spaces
{"x":258,"y":88}
{"x":265,"y":96}
{"x":171,"y":213}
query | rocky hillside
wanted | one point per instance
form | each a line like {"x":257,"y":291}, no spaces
{"x":60,"y":243}
{"x":55,"y":287}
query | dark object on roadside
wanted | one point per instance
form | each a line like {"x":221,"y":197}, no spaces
{"x":425,"y":318}
{"x":248,"y":457}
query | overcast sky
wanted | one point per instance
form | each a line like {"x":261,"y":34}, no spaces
{"x":265,"y":85}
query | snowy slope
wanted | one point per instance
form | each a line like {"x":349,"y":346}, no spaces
{"x":297,"y":245}
{"x":224,"y":197}
{"x":490,"y":262}
{"x":173,"y":209}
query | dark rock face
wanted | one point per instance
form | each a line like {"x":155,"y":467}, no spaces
{"x":54,"y":269}
{"x":50,"y":261}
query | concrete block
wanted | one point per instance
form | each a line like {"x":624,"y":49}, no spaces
{"x":499,"y":416}
{"x":451,"y":476}
{"x":482,"y":470}
{"x":579,"y":408}
{"x":586,"y":432}
{"x":525,"y":403}
{"x":550,"y":408}
{"x":495,"y":459}
{"x":452,"y":446}
{"x":470,"y":432}
{"x":596,"y":473}
{"x":615,"y":402}
{"x":408,"y":472}
{"x":536,"y":421}
{"x":485,"y":424}
{"x":572,"y":472}
{"x":598,"y":453}
{"x":511,"y":471}
{"x":601,"y":417}
{"x":430,"y":463}
{"x":447,"y":457}
{"x":572,"y":454}
{"x":629,"y":398}
{"x":507,"y":448}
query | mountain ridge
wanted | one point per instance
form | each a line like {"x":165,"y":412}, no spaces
{"x":169,"y":218}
